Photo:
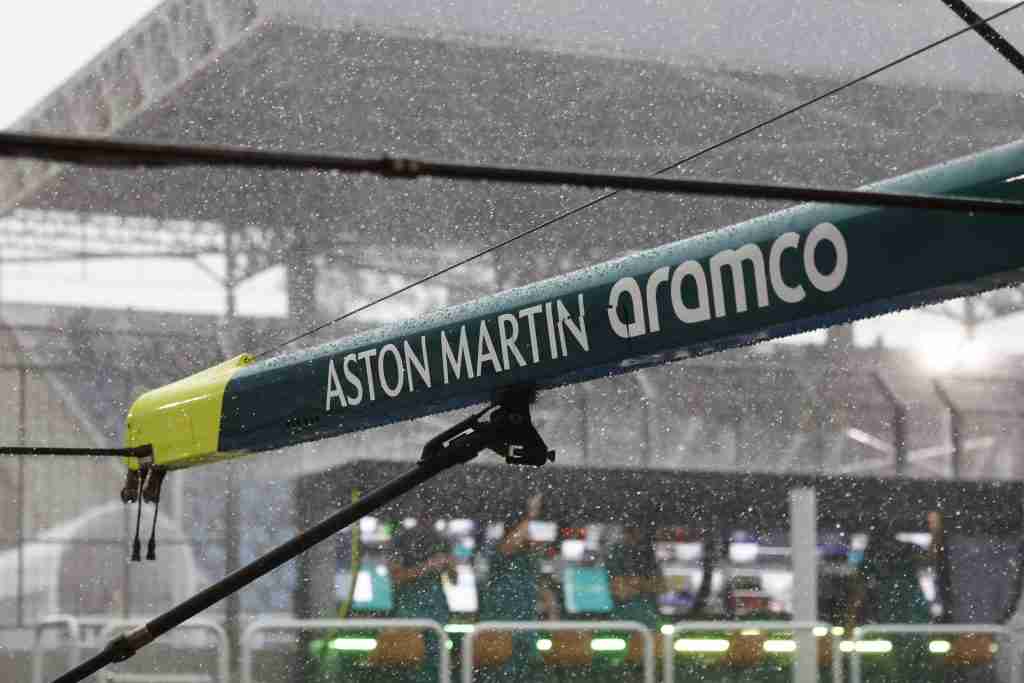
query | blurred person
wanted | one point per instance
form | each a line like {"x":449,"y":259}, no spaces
{"x":511,"y":592}
{"x":419,"y":558}
{"x":886,"y":590}
{"x":635,"y":578}
{"x":886,"y":587}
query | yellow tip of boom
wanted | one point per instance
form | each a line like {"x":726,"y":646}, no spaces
{"x":181,"y":421}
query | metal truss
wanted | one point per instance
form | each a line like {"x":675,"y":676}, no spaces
{"x":43,"y":236}
{"x":40,"y":236}
{"x":976,"y":311}
{"x":37,"y":236}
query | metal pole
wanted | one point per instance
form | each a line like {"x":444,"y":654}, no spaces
{"x":645,"y":403}
{"x":126,"y":516}
{"x":988,"y":32}
{"x":126,"y":574}
{"x":232,"y":505}
{"x":581,"y":390}
{"x":232,"y":561}
{"x":22,"y":440}
{"x":837,"y":656}
{"x":899,"y":421}
{"x":1015,"y":657}
{"x":803,"y":522}
{"x":301,"y":277}
{"x":647,"y":391}
{"x":956,"y":429}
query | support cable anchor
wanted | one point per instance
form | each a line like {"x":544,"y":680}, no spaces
{"x":508,"y":431}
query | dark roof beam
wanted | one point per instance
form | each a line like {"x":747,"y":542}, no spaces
{"x":98,"y":256}
{"x":987,"y":31}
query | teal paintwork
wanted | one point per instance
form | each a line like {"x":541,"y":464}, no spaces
{"x":896,"y":259}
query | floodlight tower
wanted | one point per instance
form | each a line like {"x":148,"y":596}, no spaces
{"x":971,"y":313}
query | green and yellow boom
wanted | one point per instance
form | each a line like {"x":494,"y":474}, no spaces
{"x":788,"y":272}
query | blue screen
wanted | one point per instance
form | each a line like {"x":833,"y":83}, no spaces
{"x":587,"y":590}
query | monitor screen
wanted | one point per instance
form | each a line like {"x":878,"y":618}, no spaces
{"x":460,"y":589}
{"x":542,"y":532}
{"x":587,"y":590}
{"x":373,"y":591}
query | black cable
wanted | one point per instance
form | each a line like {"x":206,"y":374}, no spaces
{"x":597,"y":200}
{"x":126,"y":645}
{"x":988,"y":32}
{"x":137,"y":543}
{"x":151,"y":546}
{"x":60,"y":451}
{"x":84,"y":150}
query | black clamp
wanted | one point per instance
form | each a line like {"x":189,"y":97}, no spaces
{"x":143,"y":485}
{"x":504,"y":427}
{"x":126,"y":645}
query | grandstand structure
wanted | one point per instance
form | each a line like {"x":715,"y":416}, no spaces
{"x":303,"y":74}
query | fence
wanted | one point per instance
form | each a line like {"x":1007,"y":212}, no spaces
{"x":92,"y":634}
{"x":75,"y":629}
{"x":532,"y":626}
{"x":670,"y":635}
{"x":328,"y":625}
{"x":82,"y":635}
{"x":861,"y":632}
{"x":112,"y":674}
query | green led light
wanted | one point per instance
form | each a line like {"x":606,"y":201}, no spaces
{"x":867,"y":647}
{"x":607,"y":644}
{"x":354,"y":644}
{"x":701,"y":645}
{"x":779,"y":646}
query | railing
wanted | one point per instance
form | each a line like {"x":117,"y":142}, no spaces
{"x":75,"y":628}
{"x":533,"y":626}
{"x":74,"y":651}
{"x":115,"y":626}
{"x":669,"y":637}
{"x":306,"y":625}
{"x":938,"y":629}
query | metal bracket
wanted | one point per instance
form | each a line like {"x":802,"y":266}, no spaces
{"x":504,"y":427}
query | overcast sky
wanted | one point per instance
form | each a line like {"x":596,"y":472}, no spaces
{"x":43,"y":42}
{"x":38,"y":53}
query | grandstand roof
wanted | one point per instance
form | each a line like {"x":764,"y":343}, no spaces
{"x":510,"y":82}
